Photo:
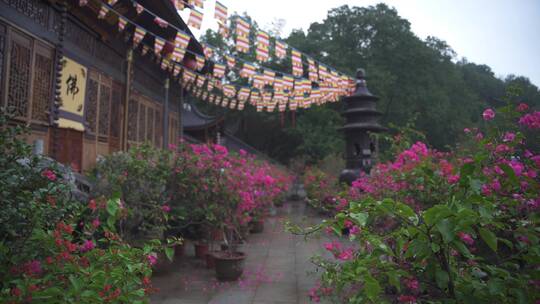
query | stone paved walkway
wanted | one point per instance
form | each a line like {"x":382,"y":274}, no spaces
{"x":277,"y":268}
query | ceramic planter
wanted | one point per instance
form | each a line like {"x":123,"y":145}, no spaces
{"x":229,"y":268}
{"x":201,"y":249}
{"x":257,"y":226}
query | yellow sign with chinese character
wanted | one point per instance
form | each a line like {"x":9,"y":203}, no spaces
{"x":72,"y":93}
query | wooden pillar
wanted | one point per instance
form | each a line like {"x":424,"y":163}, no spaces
{"x":127,"y":94}
{"x":166,"y":114}
{"x":57,"y":102}
{"x":180,"y":115}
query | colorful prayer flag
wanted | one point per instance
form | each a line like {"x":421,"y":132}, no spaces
{"x":231,"y":61}
{"x":263,"y":43}
{"x":103,"y":11}
{"x":221,"y":12}
{"x":242,"y":27}
{"x":139,"y":8}
{"x":195,"y":19}
{"x":223,"y":30}
{"x":158,"y":45}
{"x":122,"y":22}
{"x":312,"y":69}
{"x":248,"y":70}
{"x":161,"y":22}
{"x":258,"y":81}
{"x":199,"y":3}
{"x":219,"y":70}
{"x":138,"y":36}
{"x":200,"y":62}
{"x":242,"y":43}
{"x":281,"y":49}
{"x":208,"y":51}
{"x":269,"y":77}
{"x":182,"y":40}
{"x":178,"y":54}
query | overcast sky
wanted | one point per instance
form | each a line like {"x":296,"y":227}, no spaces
{"x":504,"y":34}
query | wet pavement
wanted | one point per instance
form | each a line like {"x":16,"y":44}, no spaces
{"x":277,"y":268}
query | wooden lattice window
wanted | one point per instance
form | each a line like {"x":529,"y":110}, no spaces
{"x":42,"y":89}
{"x":132,"y":119}
{"x":150,"y":124}
{"x":116,"y":103}
{"x":18,"y":89}
{"x":104,"y":109}
{"x":142,"y":122}
{"x":91,"y":104}
{"x":27,"y":67}
{"x":158,"y":133}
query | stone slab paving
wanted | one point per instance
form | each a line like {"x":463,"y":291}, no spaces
{"x":277,"y":268}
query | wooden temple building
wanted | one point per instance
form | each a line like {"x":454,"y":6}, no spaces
{"x":83,"y":90}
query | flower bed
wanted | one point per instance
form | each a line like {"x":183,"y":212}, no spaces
{"x":432,"y":227}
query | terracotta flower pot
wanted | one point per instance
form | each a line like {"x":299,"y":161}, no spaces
{"x":210,"y":260}
{"x":229,"y":268}
{"x":257,"y":226}
{"x":201,"y":249}
{"x":179,"y":250}
{"x":217,"y":234}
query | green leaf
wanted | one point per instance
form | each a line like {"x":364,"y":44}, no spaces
{"x":495,"y":286}
{"x":436,"y":213}
{"x":489,"y":237}
{"x":393,"y":279}
{"x":361,"y":218}
{"x":169,"y":252}
{"x":446,"y":228}
{"x":113,"y":205}
{"x":442,"y":278}
{"x":372,"y":287}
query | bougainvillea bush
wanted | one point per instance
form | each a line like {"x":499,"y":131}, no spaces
{"x":224,"y":190}
{"x":54,"y":249}
{"x":321,"y":190}
{"x":432,"y":227}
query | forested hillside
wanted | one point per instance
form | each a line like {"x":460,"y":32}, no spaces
{"x":418,"y":78}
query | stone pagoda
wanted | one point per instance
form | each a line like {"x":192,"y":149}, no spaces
{"x":361,"y":119}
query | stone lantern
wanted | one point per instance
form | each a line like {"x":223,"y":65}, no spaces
{"x":361,"y":119}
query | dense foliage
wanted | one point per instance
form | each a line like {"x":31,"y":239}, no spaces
{"x":55,"y":249}
{"x":433,"y":227}
{"x":413,"y":77}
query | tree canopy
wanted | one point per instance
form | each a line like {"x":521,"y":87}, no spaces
{"x":412,"y":77}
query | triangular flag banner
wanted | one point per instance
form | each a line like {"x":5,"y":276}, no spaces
{"x":269,"y":77}
{"x":231,"y":61}
{"x":210,"y":86}
{"x":122,"y":22}
{"x":296,"y":57}
{"x":178,"y":54}
{"x":208,"y":51}
{"x":281,"y":49}
{"x":242,"y":27}
{"x":258,"y":81}
{"x":288,"y":83}
{"x":198,"y":3}
{"x":242,"y":44}
{"x":165,"y":64}
{"x":182,"y":40}
{"x":179,"y":4}
{"x":177,"y":69}
{"x":263,"y":43}
{"x":278,"y":84}
{"x":243,"y":94}
{"x":200,"y":81}
{"x":223,"y":30}
{"x":221,"y":12}
{"x":248,"y":70}
{"x":229,"y":90}
{"x":138,"y":36}
{"x":158,"y":45}
{"x":139,"y":8}
{"x":195,"y":19}
{"x":312,"y":68}
{"x":200,"y":62}
{"x":103,"y":11}
{"x":162,"y":23}
{"x":219,"y":70}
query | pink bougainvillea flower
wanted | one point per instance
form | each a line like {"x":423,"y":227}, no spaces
{"x":522,"y":107}
{"x":87,"y":246}
{"x":92,"y":205}
{"x":531,"y":120}
{"x":96,"y":223}
{"x":412,"y":284}
{"x":348,"y":224}
{"x":346,"y":254}
{"x":509,"y":136}
{"x":452,"y":179}
{"x":467,"y":130}
{"x":354,"y":230}
{"x":466,"y":238}
{"x":152,"y":258}
{"x":49,"y":174}
{"x":166,"y":208}
{"x":488,"y":114}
